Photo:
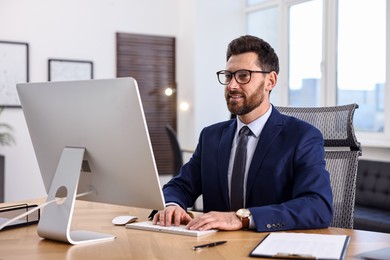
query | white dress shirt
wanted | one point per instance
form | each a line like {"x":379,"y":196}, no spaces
{"x":256,"y":127}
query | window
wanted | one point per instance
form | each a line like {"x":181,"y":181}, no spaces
{"x":265,"y":23}
{"x":331,"y":52}
{"x":305,"y":53}
{"x":361,"y":60}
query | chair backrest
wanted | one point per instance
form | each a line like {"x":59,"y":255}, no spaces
{"x":177,"y":152}
{"x":342,"y":151}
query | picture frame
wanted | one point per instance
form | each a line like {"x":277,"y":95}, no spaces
{"x":68,"y":69}
{"x":14,"y":69}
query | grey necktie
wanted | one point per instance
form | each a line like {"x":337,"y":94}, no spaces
{"x":237,"y":182}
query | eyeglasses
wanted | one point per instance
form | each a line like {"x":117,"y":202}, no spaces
{"x":241,"y":76}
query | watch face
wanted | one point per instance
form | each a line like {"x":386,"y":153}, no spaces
{"x":243,"y":213}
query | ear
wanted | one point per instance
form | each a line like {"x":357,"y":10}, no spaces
{"x":272,"y":78}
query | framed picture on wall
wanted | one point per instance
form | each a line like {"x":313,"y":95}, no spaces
{"x":64,"y":70}
{"x":14,"y":68}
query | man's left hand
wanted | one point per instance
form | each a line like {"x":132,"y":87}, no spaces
{"x":216,"y":220}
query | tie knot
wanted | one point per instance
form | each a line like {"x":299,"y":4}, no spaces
{"x":245,"y":131}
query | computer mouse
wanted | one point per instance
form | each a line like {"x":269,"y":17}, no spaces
{"x":123,"y":220}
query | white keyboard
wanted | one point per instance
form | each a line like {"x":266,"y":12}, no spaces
{"x":179,"y":230}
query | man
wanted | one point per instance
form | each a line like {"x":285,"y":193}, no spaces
{"x":285,"y":184}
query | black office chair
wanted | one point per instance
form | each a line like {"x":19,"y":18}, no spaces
{"x":176,"y":149}
{"x":178,"y":157}
{"x":341,"y":154}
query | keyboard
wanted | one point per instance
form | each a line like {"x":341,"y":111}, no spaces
{"x":179,"y":230}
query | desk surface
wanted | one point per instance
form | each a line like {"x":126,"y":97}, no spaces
{"x":24,"y":243}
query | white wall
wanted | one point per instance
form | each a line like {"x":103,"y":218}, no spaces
{"x":85,"y":29}
{"x":202,"y":43}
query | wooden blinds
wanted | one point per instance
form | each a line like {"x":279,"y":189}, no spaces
{"x":151,"y":61}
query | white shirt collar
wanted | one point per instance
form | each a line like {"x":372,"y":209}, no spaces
{"x":257,"y":125}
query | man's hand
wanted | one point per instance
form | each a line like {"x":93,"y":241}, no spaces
{"x":172,"y":215}
{"x":215,"y":220}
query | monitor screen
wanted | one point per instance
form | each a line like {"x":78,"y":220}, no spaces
{"x":106,"y":118}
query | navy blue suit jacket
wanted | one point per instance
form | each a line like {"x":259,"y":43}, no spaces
{"x":287,"y":188}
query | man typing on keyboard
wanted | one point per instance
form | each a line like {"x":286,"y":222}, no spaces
{"x":262,"y":170}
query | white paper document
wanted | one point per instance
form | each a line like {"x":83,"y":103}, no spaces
{"x":302,"y":246}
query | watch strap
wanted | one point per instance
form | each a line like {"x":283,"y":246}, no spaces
{"x":245,"y":223}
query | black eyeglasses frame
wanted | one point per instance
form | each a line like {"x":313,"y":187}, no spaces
{"x":234,"y":75}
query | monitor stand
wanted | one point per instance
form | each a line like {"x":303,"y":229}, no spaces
{"x":56,"y":217}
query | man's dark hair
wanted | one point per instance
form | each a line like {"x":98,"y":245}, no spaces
{"x":267,"y":58}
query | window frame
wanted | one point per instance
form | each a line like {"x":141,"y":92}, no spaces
{"x":329,"y":61}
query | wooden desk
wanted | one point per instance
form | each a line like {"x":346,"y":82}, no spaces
{"x":24,"y":243}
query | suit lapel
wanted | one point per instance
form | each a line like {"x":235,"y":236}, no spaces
{"x":270,"y":132}
{"x":224,"y":149}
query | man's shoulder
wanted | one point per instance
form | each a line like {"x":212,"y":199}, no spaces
{"x":291,"y":122}
{"x":216,"y":130}
{"x":220,"y":126}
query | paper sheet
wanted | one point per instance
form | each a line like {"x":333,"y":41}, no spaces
{"x":302,"y":245}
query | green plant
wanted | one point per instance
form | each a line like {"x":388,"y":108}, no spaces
{"x":6,"y":138}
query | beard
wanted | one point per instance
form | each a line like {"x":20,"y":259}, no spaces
{"x":248,"y":104}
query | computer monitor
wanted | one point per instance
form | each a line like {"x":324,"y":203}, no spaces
{"x":97,"y":126}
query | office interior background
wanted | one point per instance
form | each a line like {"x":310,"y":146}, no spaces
{"x":329,"y":55}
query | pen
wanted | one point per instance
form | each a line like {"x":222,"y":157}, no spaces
{"x":150,"y":217}
{"x":209,"y":245}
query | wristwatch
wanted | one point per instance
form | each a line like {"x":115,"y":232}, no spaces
{"x":243,"y":215}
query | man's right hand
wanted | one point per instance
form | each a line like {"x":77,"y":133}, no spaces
{"x":172,"y":215}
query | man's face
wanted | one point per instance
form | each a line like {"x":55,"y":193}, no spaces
{"x":242,"y":99}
